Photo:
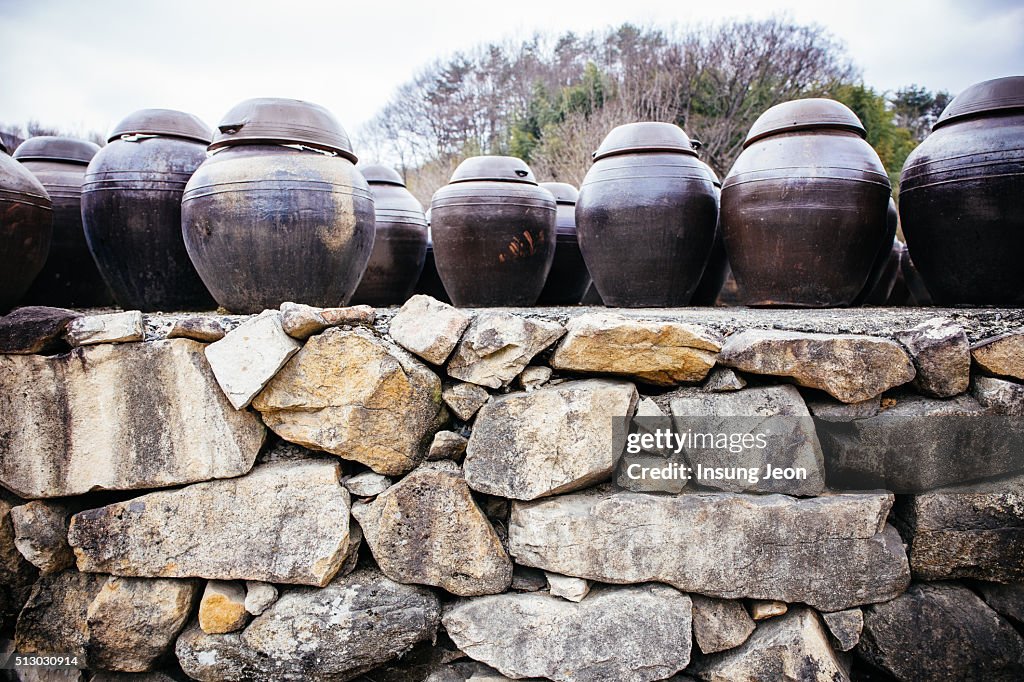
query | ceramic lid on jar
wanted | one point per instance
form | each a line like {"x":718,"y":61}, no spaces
{"x":563,"y":192}
{"x":162,"y":122}
{"x":805,"y":114}
{"x":995,"y":95}
{"x":54,"y":148}
{"x":647,"y":136}
{"x":497,"y":168}
{"x":381,"y":175}
{"x":274,"y":120}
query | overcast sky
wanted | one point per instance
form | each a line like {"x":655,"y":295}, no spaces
{"x":86,"y":64}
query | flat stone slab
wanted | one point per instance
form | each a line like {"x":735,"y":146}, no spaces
{"x":286,"y":522}
{"x":118,"y":417}
{"x":830,"y":552}
{"x":108,"y":328}
{"x":1001,"y":355}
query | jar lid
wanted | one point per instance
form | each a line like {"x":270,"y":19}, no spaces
{"x":381,"y":175}
{"x":563,"y":192}
{"x":162,"y":122}
{"x":998,"y":94}
{"x":646,"y":136}
{"x":275,"y":120}
{"x":805,"y":114}
{"x":54,"y":148}
{"x":497,"y":168}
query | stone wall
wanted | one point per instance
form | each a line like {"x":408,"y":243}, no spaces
{"x":441,"y":494}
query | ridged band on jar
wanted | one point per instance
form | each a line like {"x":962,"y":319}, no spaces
{"x":173,"y":181}
{"x":483,"y":192}
{"x":989,"y":154}
{"x":657,"y":166}
{"x":199,"y":191}
{"x":25,"y":197}
{"x":396,"y":215}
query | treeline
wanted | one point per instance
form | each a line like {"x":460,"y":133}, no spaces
{"x":14,"y":134}
{"x":550,"y":100}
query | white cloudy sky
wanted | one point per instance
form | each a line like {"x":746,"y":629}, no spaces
{"x":85,"y":64}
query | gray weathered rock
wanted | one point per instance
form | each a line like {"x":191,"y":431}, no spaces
{"x":956,"y":534}
{"x":447,"y":445}
{"x":284,"y":523}
{"x":830,"y":410}
{"x":132,"y":622}
{"x":465,"y":399}
{"x":301,"y":321}
{"x":567,"y":587}
{"x":1001,"y":355}
{"x":427,"y":530}
{"x":850,"y":367}
{"x":762,"y":609}
{"x":793,"y":647}
{"x":497,"y":346}
{"x":335,"y":633}
{"x":719,"y":624}
{"x":1006,"y":600}
{"x":831,"y":552}
{"x":534,"y":376}
{"x":659,"y":353}
{"x":357,"y":396}
{"x":247,"y":358}
{"x":198,"y":328}
{"x":16,"y":574}
{"x":941,"y":356}
{"x":367,"y":484}
{"x":628,"y":634}
{"x":548,"y":441}
{"x":259,"y":596}
{"x":526,"y":579}
{"x":41,"y":534}
{"x":918,"y":444}
{"x":118,"y":417}
{"x":845,"y":627}
{"x":34,"y":329}
{"x":775,"y":413}
{"x":222,"y":608}
{"x":54,"y":618}
{"x":107,"y":328}
{"x":429,"y":328}
{"x":999,"y":396}
{"x":723,"y":380}
{"x":941,"y":631}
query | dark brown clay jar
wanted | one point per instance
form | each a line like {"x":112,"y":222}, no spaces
{"x":131,"y":210}
{"x":886,"y":265}
{"x":399,"y":243}
{"x":26,"y":227}
{"x":494,"y":233}
{"x":960,"y":198}
{"x":268,"y":219}
{"x":804,"y":207}
{"x":430,"y":282}
{"x":717,"y":269}
{"x":569,"y":278}
{"x":70,"y":277}
{"x":646,"y":217}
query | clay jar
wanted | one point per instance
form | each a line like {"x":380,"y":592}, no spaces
{"x":717,"y":269}
{"x":70,"y":277}
{"x":960,"y":198}
{"x":883,"y":271}
{"x":430,"y":282}
{"x":26,"y":227}
{"x":646,"y":217}
{"x":569,"y":278}
{"x":494,"y":233}
{"x":804,"y":207}
{"x":131,"y":210}
{"x":279,"y":212}
{"x":399,"y":243}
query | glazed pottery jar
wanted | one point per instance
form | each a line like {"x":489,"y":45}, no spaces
{"x":717,"y":268}
{"x":26,"y":227}
{"x":646,"y":217}
{"x":494,"y":233}
{"x":804,"y":207}
{"x":960,"y":198}
{"x":279,"y":212}
{"x":70,"y":277}
{"x":569,"y":278}
{"x":883,"y":270}
{"x":131,"y":210}
{"x":399,"y":243}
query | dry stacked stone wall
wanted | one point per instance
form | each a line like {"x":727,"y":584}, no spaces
{"x":441,"y":494}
